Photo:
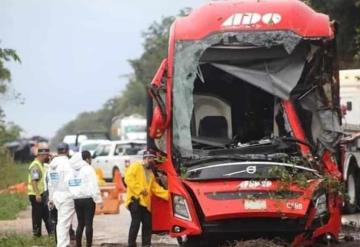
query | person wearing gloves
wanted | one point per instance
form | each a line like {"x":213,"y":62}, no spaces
{"x":61,"y":202}
{"x":141,"y":185}
{"x":85,"y":190}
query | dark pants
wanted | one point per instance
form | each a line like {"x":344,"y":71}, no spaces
{"x":139,"y":214}
{"x":85,"y":211}
{"x":53,"y":220}
{"x":39,"y":212}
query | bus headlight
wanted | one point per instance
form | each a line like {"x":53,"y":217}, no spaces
{"x":180,"y":207}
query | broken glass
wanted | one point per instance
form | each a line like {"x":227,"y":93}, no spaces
{"x":186,"y":62}
{"x":325,"y":125}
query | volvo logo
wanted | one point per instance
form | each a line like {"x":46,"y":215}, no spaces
{"x":248,"y":169}
{"x":251,"y":169}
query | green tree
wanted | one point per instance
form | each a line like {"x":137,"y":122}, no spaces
{"x":6,"y":55}
{"x":133,"y":99}
{"x":8,"y":131}
{"x":347,"y":14}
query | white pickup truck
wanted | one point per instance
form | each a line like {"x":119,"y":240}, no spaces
{"x":115,"y":155}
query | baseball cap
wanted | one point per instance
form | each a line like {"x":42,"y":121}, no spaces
{"x":148,"y":153}
{"x":62,"y":147}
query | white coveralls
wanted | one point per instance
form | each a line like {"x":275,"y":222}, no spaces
{"x":60,"y":195}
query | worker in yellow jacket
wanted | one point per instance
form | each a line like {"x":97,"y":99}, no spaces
{"x":141,"y":185}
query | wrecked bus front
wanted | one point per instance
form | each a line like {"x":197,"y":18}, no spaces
{"x":246,"y":110}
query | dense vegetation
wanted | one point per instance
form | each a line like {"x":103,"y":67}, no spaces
{"x":132,"y":99}
{"x":8,"y":131}
{"x":347,"y":15}
{"x":12,"y":204}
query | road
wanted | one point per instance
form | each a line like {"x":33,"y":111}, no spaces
{"x":117,"y":230}
{"x":109,"y":230}
{"x":112,"y":230}
{"x":117,"y":227}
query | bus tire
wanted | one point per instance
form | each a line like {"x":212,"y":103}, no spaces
{"x":352,"y":187}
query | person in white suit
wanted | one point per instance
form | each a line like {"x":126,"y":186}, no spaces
{"x":59,"y":194}
{"x":84,"y":188}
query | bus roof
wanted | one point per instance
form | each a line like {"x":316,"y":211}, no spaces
{"x":253,"y":15}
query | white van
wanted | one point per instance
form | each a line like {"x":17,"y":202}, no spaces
{"x":115,"y":155}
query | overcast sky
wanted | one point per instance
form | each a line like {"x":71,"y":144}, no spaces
{"x":73,"y":54}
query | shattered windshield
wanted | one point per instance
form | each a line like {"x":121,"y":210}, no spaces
{"x":208,"y":81}
{"x":228,"y":89}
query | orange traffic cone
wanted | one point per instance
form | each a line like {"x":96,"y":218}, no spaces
{"x":119,"y":185}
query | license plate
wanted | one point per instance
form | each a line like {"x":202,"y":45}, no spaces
{"x":255,"y":204}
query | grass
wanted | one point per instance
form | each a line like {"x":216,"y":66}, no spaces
{"x":11,"y":174}
{"x":12,"y":204}
{"x":26,"y":241}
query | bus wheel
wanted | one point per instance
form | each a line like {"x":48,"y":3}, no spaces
{"x":352,"y":190}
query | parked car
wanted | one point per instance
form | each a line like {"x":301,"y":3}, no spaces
{"x":71,"y":141}
{"x":91,"y":145}
{"x":75,"y":140}
{"x":116,"y":155}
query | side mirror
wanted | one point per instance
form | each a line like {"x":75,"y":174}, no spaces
{"x":157,"y":126}
{"x":158,"y":114}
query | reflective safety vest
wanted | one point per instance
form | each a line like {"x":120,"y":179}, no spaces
{"x":41,"y":182}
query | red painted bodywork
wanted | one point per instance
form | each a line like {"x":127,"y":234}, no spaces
{"x":234,"y":208}
{"x":295,"y":126}
{"x":296,"y":17}
{"x":208,"y":19}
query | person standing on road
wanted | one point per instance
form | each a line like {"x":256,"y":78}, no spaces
{"x":52,"y":218}
{"x":36,"y":190}
{"x":141,"y":185}
{"x":84,"y":187}
{"x":61,"y":202}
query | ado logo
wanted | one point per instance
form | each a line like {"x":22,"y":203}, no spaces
{"x":239,"y":19}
